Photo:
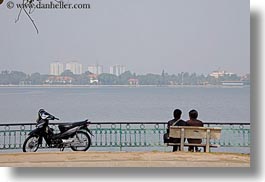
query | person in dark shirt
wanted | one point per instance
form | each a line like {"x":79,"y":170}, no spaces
{"x":193,"y":121}
{"x":174,"y":122}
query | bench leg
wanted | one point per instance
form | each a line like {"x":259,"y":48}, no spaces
{"x":176,"y":148}
{"x":208,"y":141}
{"x":182,"y":140}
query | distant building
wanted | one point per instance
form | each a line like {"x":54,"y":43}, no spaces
{"x":217,"y":74}
{"x":133,"y":81}
{"x":59,"y":80}
{"x":117,"y":69}
{"x":56,"y":68}
{"x":74,"y":67}
{"x":95,"y":69}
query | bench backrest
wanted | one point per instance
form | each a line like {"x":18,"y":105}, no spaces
{"x":195,"y":132}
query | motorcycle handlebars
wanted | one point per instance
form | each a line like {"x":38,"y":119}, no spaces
{"x":52,"y":118}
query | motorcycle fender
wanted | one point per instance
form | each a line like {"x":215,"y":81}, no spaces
{"x":36,"y":132}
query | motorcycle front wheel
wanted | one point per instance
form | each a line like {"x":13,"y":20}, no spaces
{"x":31,"y":144}
{"x":82,"y":141}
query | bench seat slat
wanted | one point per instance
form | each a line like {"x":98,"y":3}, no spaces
{"x":193,"y":144}
{"x":192,"y":132}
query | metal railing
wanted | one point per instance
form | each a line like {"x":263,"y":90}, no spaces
{"x":121,"y":135}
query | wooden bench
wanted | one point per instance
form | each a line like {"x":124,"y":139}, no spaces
{"x":190,"y":132}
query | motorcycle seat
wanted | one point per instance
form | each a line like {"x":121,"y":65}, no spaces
{"x":71,"y":125}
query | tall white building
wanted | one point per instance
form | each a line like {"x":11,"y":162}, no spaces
{"x":117,"y":69}
{"x":74,"y":67}
{"x":56,"y":68}
{"x":95,"y":69}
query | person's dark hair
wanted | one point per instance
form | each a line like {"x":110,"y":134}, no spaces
{"x":193,"y":114}
{"x":177,"y":113}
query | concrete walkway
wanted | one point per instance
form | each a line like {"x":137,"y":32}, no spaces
{"x":124,"y":159}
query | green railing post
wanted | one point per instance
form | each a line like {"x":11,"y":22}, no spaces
{"x":120,"y":138}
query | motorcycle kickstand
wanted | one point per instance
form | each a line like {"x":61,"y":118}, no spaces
{"x":62,"y":149}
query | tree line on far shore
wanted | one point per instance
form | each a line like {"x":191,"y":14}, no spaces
{"x":126,"y":78}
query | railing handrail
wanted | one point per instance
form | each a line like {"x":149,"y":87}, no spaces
{"x":126,"y":122}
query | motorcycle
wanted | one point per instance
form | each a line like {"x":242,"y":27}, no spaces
{"x":74,"y":135}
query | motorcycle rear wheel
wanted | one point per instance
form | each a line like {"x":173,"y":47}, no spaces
{"x":31,"y":144}
{"x":84,"y":139}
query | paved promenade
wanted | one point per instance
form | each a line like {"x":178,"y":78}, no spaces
{"x":123,"y":159}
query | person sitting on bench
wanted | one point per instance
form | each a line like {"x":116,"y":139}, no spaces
{"x":193,"y":121}
{"x":174,"y":122}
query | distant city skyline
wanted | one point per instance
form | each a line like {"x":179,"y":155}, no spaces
{"x":146,"y":36}
{"x":56,"y":68}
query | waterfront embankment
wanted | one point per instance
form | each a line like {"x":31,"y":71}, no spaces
{"x":124,"y":159}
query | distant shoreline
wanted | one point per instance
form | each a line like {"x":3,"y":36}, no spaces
{"x":122,"y":86}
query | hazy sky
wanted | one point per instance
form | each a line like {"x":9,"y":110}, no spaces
{"x":145,"y":35}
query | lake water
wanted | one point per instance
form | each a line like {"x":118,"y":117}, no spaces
{"x":222,"y":104}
